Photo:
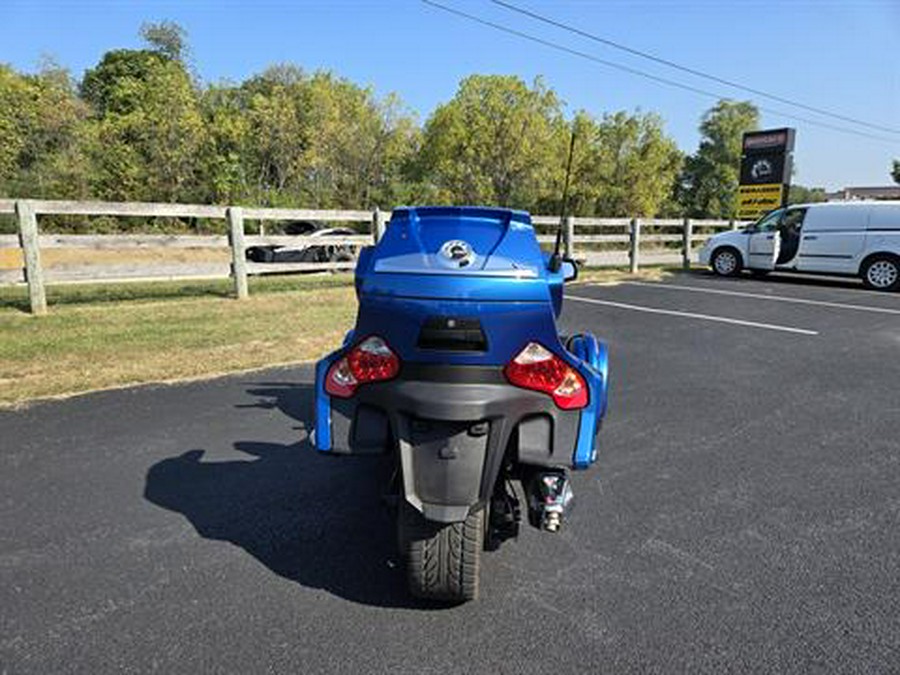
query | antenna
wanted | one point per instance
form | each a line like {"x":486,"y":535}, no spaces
{"x":556,"y":259}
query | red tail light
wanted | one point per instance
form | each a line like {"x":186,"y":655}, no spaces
{"x":369,"y":361}
{"x":537,"y":368}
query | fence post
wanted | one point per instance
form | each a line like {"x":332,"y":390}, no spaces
{"x":377,"y":224}
{"x":687,"y":243}
{"x":31,"y":252}
{"x":570,"y":237}
{"x":732,"y":224}
{"x":635,"y":244}
{"x":235,"y":216}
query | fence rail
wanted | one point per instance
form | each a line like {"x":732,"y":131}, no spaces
{"x":580,"y":237}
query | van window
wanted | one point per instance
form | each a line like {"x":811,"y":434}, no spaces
{"x":769,"y":222}
{"x":884,"y":217}
{"x":838,"y":217}
{"x":793,"y":221}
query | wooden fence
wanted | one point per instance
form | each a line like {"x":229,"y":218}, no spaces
{"x":593,"y":241}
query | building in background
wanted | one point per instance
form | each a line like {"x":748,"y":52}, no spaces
{"x":855,"y":193}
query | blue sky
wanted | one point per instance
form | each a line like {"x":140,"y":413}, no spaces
{"x":841,"y":56}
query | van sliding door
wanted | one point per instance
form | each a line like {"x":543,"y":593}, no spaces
{"x":833,"y":238}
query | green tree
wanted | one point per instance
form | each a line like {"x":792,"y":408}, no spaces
{"x":168,"y":38}
{"x":40,"y":121}
{"x":278,"y":140}
{"x":319,"y":140}
{"x":115,"y":84}
{"x":140,"y":127}
{"x":495,"y":142}
{"x":895,"y":172}
{"x":358,"y":146}
{"x":626,"y":165}
{"x":147,"y":136}
{"x":804,"y":195}
{"x":17,"y":113}
{"x":224,"y":161}
{"x":708,"y":185}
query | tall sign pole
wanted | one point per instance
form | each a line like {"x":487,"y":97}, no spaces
{"x":766,"y":161}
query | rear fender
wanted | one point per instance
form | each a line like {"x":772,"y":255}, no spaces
{"x":321,"y":436}
{"x":447,"y":470}
{"x":593,"y":357}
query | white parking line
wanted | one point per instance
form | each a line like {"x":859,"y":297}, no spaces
{"x":691,"y":315}
{"x":760,"y":296}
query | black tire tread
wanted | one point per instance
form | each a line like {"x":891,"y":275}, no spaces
{"x":442,"y":560}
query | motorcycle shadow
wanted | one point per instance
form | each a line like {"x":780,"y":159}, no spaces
{"x":308,"y":517}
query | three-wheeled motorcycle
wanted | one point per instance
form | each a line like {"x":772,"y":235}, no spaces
{"x":456,"y":369}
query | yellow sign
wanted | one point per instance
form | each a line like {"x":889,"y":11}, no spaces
{"x":755,"y":200}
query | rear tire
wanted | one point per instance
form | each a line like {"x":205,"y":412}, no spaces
{"x":726,"y":262}
{"x":882,"y":273}
{"x":443,"y":560}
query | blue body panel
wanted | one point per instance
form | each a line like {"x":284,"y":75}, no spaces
{"x":508,"y":326}
{"x":501,"y":239}
{"x":322,"y":438}
{"x":593,"y":358}
{"x":509,"y":264}
{"x":405,"y":279}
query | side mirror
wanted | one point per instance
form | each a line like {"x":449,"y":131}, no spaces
{"x":569,"y":269}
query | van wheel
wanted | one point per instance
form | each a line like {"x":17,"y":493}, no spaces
{"x":726,"y":262}
{"x":442,"y":559}
{"x":882,"y":273}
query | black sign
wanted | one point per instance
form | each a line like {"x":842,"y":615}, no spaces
{"x":772,"y":140}
{"x":765,"y":168}
{"x":766,"y":162}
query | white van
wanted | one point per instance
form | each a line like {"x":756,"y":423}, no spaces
{"x":840,"y":238}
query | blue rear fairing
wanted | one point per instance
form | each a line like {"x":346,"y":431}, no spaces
{"x":404,"y":280}
{"x":509,"y":264}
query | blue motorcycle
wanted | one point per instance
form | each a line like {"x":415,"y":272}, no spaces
{"x":456,"y":370}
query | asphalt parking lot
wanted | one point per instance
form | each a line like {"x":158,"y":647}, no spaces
{"x":744,"y":515}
